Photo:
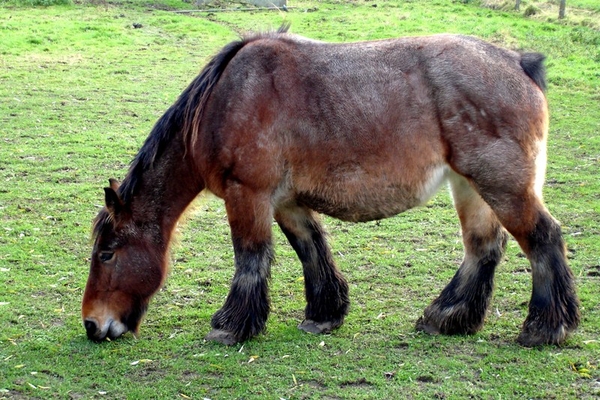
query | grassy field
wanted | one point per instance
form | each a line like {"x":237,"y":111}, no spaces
{"x":81,"y":87}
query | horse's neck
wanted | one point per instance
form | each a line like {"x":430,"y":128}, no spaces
{"x":165,"y":189}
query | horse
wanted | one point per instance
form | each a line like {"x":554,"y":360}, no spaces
{"x":286,"y":128}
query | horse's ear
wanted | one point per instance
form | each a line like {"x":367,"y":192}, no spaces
{"x":114,"y":184}
{"x":114,"y":204}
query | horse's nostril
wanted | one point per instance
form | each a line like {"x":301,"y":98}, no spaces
{"x":91,"y":328}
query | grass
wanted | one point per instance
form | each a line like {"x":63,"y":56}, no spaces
{"x":80,"y":88}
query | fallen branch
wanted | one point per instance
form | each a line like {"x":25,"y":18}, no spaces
{"x":234,"y":9}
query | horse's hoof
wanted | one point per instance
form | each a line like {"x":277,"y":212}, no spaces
{"x":527,"y":340}
{"x":223,"y":337}
{"x":311,"y":326}
{"x":530,"y":338}
{"x":423,"y":326}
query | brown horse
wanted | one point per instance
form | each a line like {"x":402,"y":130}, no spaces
{"x":284,"y":127}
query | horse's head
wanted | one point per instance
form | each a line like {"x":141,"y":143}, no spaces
{"x":127,"y":267}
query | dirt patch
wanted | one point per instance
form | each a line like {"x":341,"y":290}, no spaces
{"x":594,"y":271}
{"x":148,"y":374}
{"x":426,"y":379}
{"x":361,"y":382}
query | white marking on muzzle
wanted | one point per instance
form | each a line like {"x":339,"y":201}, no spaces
{"x":111,"y":328}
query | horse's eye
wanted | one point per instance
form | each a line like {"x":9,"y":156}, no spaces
{"x":106,"y":256}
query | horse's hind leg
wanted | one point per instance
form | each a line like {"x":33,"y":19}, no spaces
{"x":325,"y":288}
{"x":554,"y":306}
{"x":462,"y":305}
{"x":247,"y":306}
{"x":509,"y":179}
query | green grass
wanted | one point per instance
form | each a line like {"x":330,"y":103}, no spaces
{"x":80,"y":89}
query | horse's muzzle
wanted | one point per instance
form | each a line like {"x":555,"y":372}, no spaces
{"x":111,"y":329}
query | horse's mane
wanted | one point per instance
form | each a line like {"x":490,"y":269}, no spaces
{"x":182,"y":120}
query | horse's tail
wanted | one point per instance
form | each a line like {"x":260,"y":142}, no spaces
{"x":197,"y":93}
{"x":533,"y":65}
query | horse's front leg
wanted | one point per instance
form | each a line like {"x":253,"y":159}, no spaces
{"x":247,"y":306}
{"x":326,"y":289}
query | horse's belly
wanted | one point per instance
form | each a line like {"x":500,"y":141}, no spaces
{"x":359,"y":208}
{"x":360,"y":198}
